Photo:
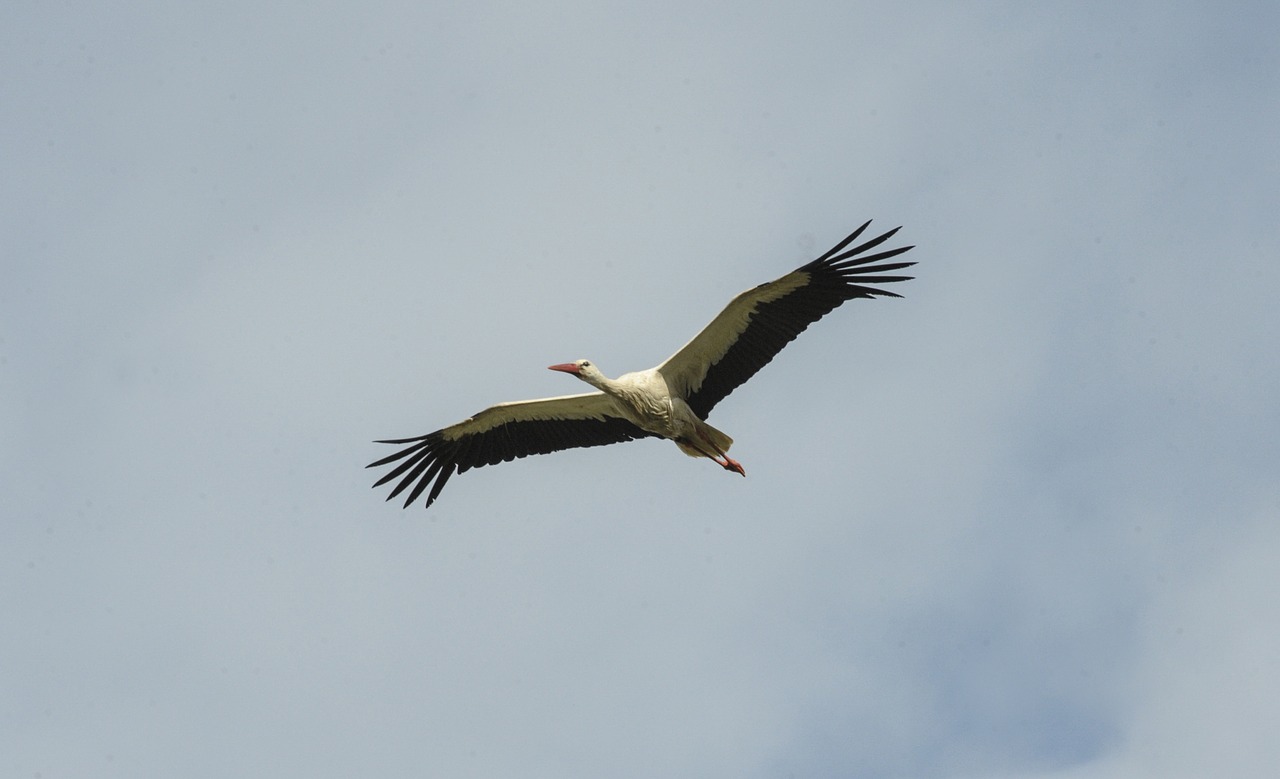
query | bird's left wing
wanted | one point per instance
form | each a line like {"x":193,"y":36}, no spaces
{"x":757,"y":324}
{"x":501,"y":433}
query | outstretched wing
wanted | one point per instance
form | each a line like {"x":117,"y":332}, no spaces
{"x":755,"y":325}
{"x":501,"y":433}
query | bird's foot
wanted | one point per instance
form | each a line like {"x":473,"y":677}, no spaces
{"x":730,"y":464}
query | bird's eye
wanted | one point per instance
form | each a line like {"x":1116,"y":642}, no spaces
{"x":586,"y":363}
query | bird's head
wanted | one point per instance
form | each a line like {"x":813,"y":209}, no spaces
{"x":583,"y":369}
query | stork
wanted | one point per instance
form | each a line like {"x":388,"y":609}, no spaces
{"x":669,"y":401}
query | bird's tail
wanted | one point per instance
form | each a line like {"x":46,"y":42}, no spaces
{"x":721,"y":440}
{"x":717,"y":439}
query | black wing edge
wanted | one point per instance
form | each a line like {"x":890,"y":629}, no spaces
{"x":846,"y":274}
{"x":835,"y":277}
{"x":430,"y":460}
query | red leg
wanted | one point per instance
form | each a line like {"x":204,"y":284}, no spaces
{"x":729,"y":463}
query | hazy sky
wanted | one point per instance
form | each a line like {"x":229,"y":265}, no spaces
{"x":1023,"y":523}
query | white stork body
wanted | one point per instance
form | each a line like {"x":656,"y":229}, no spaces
{"x":645,"y":399}
{"x":669,"y":401}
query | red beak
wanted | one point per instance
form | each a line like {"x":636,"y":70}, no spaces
{"x":566,"y":367}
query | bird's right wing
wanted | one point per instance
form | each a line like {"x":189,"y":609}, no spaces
{"x":501,"y":433}
{"x":757,"y":324}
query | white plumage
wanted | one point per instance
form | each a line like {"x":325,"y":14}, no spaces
{"x":669,"y":401}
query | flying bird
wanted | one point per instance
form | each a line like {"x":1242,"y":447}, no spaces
{"x":669,"y":401}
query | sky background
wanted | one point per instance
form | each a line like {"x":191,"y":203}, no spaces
{"x":1021,"y":523}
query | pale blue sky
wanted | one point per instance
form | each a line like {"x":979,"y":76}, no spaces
{"x":1022,"y":523}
